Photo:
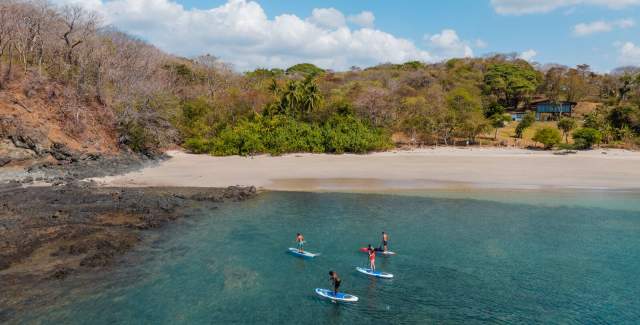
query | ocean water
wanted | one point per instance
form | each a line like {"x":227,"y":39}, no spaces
{"x":459,"y":261}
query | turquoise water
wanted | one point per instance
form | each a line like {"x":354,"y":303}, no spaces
{"x":459,"y":261}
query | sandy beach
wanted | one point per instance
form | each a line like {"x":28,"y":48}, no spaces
{"x":440,"y":168}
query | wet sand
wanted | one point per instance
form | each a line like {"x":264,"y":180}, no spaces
{"x":440,"y":168}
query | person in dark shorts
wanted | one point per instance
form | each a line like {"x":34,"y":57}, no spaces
{"x":300,"y":242}
{"x":333,"y":277}
{"x":385,"y":241}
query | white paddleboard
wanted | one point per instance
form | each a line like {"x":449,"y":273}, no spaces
{"x":305,"y":254}
{"x":340,"y":296}
{"x":377,"y":274}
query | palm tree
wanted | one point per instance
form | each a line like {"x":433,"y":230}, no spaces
{"x":311,"y":98}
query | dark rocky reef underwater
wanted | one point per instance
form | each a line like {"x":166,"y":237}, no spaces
{"x":51,"y":233}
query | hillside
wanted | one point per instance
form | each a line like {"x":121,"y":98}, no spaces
{"x":40,"y":127}
{"x":75,"y":88}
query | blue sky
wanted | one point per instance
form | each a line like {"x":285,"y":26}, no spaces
{"x":261,"y":33}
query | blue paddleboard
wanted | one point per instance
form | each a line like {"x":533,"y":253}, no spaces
{"x":340,"y":296}
{"x":304,"y":254}
{"x":377,"y":274}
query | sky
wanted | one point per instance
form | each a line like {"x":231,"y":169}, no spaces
{"x":339,"y":34}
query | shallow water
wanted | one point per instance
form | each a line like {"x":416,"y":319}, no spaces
{"x":459,"y":261}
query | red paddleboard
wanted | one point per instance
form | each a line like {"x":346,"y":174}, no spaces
{"x":366,"y":250}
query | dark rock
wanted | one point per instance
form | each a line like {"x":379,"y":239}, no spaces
{"x":4,"y":161}
{"x":61,"y":273}
{"x":100,"y":259}
{"x":58,"y":214}
{"x":76,"y":223}
{"x":60,"y":151}
{"x":29,"y":138}
{"x":73,"y":250}
{"x":4,"y":263}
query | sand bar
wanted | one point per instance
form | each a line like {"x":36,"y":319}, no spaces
{"x":440,"y":168}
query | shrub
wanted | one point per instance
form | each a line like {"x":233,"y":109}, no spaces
{"x":198,"y":145}
{"x":566,"y":124}
{"x":526,"y":122}
{"x":585,"y":138}
{"x":548,"y":136}
{"x":349,"y":134}
{"x":280,"y":134}
{"x":243,"y":139}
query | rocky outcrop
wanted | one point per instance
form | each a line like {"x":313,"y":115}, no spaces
{"x":24,"y":137}
{"x":20,"y":143}
{"x":51,"y":233}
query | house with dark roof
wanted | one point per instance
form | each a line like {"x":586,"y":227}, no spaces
{"x":545,"y":109}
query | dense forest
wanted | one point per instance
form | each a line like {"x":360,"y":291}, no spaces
{"x":153,"y":100}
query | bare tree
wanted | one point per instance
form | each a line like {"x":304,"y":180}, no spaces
{"x":216,"y":73}
{"x":373,"y":103}
{"x":79,"y":24}
{"x":7,"y":33}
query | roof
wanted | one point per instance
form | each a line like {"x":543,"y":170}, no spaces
{"x":540,"y":101}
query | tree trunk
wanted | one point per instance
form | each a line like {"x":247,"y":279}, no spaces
{"x":7,"y":74}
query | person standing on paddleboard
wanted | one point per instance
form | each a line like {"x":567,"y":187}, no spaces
{"x":372,"y":258}
{"x":385,"y":241}
{"x":335,"y":280}
{"x":300,"y":241}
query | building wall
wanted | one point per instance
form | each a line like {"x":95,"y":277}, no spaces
{"x":554,"y":108}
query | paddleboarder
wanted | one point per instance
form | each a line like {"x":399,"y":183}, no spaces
{"x":372,"y":258}
{"x":300,"y":241}
{"x":335,"y":280}
{"x":385,"y":241}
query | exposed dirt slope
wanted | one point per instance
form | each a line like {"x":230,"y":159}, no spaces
{"x":39,"y":122}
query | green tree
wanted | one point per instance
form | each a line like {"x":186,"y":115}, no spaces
{"x":526,"y":122}
{"x":466,"y":113}
{"x":498,"y":121}
{"x":548,"y":136}
{"x":298,"y":99}
{"x":310,"y":97}
{"x":566,"y":124}
{"x":511,"y":82}
{"x":306,"y":69}
{"x":585,"y":138}
{"x":627,"y":115}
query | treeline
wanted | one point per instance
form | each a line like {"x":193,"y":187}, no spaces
{"x":155,"y":99}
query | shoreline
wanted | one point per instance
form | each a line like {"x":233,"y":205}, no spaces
{"x":400,"y":170}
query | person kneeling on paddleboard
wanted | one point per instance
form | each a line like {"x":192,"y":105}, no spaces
{"x":333,"y":277}
{"x":372,"y":258}
{"x":300,"y":241}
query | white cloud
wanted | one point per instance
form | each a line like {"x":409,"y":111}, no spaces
{"x":481,"y":44}
{"x":629,"y":54}
{"x":240,"y":32}
{"x":327,"y":17}
{"x":601,"y":26}
{"x":363,"y":19}
{"x":521,"y":7}
{"x":528,"y":55}
{"x":447,"y":44}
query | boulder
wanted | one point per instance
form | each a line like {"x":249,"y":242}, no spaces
{"x":61,"y":152}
